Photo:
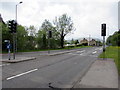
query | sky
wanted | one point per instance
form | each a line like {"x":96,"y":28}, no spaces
{"x":87,"y":15}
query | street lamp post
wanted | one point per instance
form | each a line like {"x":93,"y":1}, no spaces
{"x":16,"y":21}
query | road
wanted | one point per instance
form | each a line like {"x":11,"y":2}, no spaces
{"x":60,"y":71}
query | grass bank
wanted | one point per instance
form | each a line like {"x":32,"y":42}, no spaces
{"x":112,"y":52}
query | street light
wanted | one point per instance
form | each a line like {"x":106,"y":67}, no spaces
{"x":16,"y":21}
{"x":16,"y":9}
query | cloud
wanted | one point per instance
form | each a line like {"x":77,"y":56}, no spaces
{"x":87,"y":15}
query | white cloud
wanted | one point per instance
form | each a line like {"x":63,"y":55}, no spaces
{"x":87,"y":15}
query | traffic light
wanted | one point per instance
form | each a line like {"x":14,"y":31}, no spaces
{"x":12,"y":25}
{"x":50,"y":34}
{"x":103,"y":31}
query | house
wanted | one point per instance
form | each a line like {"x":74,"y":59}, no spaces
{"x":92,"y":42}
{"x":84,"y":42}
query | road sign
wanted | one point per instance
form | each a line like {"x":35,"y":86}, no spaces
{"x":9,"y":46}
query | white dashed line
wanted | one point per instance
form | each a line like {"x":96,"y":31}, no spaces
{"x":81,"y":54}
{"x":81,"y":51}
{"x":21,"y":74}
{"x":94,"y":52}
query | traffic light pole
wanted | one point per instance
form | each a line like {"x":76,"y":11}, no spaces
{"x":48,"y":45}
{"x":13,"y":45}
{"x":103,"y":43}
{"x":103,"y":47}
{"x":103,"y":33}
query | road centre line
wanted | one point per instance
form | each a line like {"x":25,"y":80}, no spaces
{"x":21,"y":74}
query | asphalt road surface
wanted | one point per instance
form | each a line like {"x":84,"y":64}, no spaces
{"x":60,"y":71}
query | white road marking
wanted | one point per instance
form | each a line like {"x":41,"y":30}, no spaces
{"x":21,"y":74}
{"x":94,"y":52}
{"x":81,"y":51}
{"x":4,"y":65}
{"x":96,"y":49}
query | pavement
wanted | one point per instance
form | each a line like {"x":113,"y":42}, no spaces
{"x":18,"y":59}
{"x":102,"y":74}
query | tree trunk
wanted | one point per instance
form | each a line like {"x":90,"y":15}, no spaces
{"x":62,"y":41}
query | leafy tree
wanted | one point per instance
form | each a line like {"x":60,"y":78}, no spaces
{"x":31,"y":43}
{"x":114,"y":39}
{"x":32,"y":30}
{"x":5,"y":35}
{"x":39,"y":38}
{"x":76,"y":42}
{"x":42,"y":35}
{"x":22,"y":40}
{"x":44,"y":44}
{"x":72,"y":41}
{"x":64,"y":25}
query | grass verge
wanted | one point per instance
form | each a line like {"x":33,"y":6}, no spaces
{"x":65,"y":48}
{"x":112,"y":52}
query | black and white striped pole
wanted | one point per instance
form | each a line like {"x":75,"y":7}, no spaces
{"x":103,"y":33}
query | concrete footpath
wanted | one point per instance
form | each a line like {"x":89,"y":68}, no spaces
{"x":102,"y":74}
{"x":18,"y":59}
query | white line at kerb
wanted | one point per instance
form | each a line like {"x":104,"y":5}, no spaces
{"x":21,"y":74}
{"x":4,"y":65}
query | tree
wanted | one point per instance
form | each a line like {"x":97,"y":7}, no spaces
{"x":42,"y":35}
{"x":64,"y":25}
{"x":22,"y":38}
{"x":76,"y":42}
{"x":72,"y":41}
{"x":5,"y":35}
{"x":32,"y":30}
{"x":39,"y":38}
{"x":114,"y":39}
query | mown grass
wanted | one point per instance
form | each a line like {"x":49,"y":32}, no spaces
{"x":65,"y":48}
{"x":112,"y":52}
